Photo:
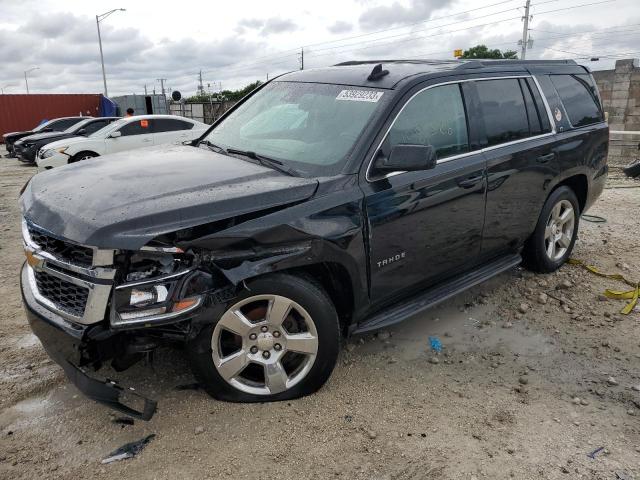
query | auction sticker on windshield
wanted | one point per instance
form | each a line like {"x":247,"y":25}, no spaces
{"x":360,"y":95}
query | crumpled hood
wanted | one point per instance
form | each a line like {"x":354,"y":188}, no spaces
{"x":43,"y":136}
{"x":126,"y":199}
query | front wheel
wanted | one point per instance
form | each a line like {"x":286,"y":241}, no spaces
{"x":277,"y":341}
{"x":551,"y":243}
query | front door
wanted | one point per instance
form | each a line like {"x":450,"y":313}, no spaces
{"x":425,"y":225}
{"x":135,"y":134}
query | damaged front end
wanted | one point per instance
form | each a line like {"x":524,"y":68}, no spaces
{"x":91,"y":307}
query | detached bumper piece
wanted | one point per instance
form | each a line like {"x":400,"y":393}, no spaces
{"x":63,"y":342}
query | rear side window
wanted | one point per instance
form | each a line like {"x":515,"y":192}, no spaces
{"x":170,"y":125}
{"x":504,"y":111}
{"x":433,"y":117}
{"x":579,"y":99}
{"x":138,"y":127}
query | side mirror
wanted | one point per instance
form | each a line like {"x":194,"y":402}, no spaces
{"x":82,"y":131}
{"x":407,"y":158}
{"x":115,"y":134}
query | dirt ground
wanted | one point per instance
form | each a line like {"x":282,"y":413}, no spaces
{"x":526,"y":386}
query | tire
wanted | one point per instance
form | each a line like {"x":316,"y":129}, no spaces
{"x":265,"y":366}
{"x":633,"y":169}
{"x":78,"y":157}
{"x":558,"y":224}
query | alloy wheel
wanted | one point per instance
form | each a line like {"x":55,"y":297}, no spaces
{"x":559,"y":230}
{"x":264,"y":344}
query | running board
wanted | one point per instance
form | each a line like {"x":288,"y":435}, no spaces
{"x":439,"y":293}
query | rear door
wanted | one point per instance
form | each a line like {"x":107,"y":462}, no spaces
{"x":135,"y":134}
{"x":169,"y":130}
{"x":518,"y":146}
{"x":425,"y":225}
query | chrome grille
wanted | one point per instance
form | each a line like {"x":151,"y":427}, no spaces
{"x":66,"y":251}
{"x":66,"y":296}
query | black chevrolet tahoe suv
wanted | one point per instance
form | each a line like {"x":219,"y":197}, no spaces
{"x":328,"y":202}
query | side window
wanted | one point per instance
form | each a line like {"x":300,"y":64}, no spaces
{"x":95,"y":126}
{"x":532,"y":113}
{"x":170,"y":125}
{"x":578,"y":97}
{"x":503,"y":110}
{"x":542,"y":111}
{"x":138,"y":127}
{"x":433,"y":117}
{"x":61,"y":125}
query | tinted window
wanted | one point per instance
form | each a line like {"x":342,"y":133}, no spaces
{"x":542,"y":112}
{"x":95,"y":126}
{"x":503,"y":109}
{"x":578,"y":97}
{"x":170,"y":125}
{"x":433,"y":117}
{"x":532,"y":113}
{"x":60,"y":125}
{"x":138,"y":127}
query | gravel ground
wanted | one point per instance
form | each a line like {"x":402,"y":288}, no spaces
{"x":537,"y":371}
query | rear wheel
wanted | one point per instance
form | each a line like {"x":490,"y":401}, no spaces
{"x":551,"y":243}
{"x":278,"y":340}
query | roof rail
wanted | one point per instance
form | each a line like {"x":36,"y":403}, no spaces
{"x":478,"y":63}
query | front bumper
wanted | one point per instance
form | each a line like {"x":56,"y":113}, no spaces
{"x":27,"y":154}
{"x":57,"y":160}
{"x":67,"y":343}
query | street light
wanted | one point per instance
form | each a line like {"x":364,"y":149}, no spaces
{"x":25,"y":77}
{"x":6,"y":86}
{"x":99,"y":18}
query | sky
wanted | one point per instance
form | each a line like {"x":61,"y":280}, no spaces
{"x":235,"y":43}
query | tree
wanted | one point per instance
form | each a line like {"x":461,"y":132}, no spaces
{"x":481,"y":51}
{"x":225,"y":94}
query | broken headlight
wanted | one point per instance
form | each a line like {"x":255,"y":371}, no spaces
{"x":157,"y":288}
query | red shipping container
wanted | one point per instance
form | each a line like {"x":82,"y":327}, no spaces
{"x":24,"y":112}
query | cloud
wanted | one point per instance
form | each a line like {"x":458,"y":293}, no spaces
{"x":340,"y":27}
{"x":273,"y":25}
{"x":398,"y":14}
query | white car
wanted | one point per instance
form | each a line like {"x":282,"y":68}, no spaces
{"x":125,"y":134}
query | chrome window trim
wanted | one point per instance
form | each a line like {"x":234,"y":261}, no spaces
{"x":466,"y":154}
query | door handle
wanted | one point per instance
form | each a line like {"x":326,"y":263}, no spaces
{"x":470,"y":182}
{"x":546,"y":158}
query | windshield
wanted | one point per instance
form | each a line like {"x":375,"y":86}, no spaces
{"x":41,"y":126}
{"x":308,"y":126}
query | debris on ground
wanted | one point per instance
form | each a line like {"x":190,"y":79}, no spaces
{"x":595,"y":452}
{"x":436,"y":344}
{"x":128,"y":450}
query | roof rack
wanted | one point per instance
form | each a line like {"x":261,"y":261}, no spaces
{"x":461,"y":64}
{"x":473,"y":63}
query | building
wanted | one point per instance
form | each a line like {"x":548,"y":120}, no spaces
{"x":620,"y":92}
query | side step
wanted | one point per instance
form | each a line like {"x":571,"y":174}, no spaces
{"x":439,"y":293}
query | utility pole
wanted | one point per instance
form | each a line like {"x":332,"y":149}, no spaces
{"x":525,"y":31}
{"x":145,"y":89}
{"x":162,"y":80}
{"x":302,"y":57}
{"x":200,"y":86}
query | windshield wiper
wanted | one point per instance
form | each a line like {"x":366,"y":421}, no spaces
{"x":265,"y":161}
{"x":212,"y":146}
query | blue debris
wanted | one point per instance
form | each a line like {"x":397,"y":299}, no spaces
{"x":595,"y":452}
{"x":436,"y":345}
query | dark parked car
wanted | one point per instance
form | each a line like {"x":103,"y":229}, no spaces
{"x":328,"y":202}
{"x":55,"y":125}
{"x":26,"y":148}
